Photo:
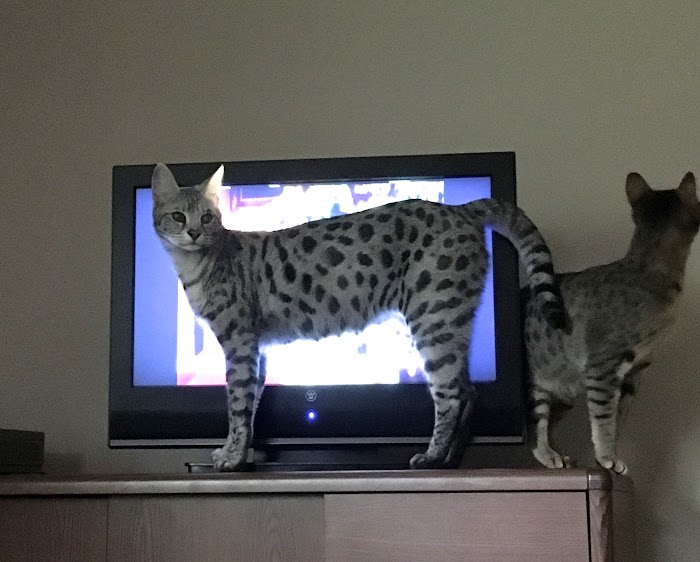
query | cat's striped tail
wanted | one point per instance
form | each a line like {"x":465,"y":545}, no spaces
{"x":512,"y":223}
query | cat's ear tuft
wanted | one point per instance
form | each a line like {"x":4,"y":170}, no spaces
{"x":687,"y":190}
{"x":636,"y":187}
{"x":211,"y":188}
{"x":163,"y":182}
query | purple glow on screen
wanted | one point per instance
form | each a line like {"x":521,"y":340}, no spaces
{"x":173,"y":347}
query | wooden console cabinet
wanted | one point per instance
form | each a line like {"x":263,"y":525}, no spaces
{"x":479,"y":515}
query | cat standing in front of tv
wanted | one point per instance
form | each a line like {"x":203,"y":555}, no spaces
{"x":425,"y":261}
{"x":618,"y":313}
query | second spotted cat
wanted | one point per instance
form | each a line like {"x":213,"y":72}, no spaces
{"x":618,"y":312}
{"x":423,"y":260}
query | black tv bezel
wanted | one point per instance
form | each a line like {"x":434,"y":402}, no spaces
{"x":166,"y":416}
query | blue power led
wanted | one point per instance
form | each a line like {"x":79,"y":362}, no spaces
{"x":311,"y":415}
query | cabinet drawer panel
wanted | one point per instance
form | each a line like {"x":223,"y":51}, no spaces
{"x":202,"y":528}
{"x":501,"y":526}
{"x":53,"y":529}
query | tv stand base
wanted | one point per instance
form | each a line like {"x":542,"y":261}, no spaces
{"x":295,"y":458}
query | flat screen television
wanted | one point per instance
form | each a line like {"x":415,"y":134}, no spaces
{"x":353,"y":400}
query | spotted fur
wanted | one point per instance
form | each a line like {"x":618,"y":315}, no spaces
{"x":618,"y":313}
{"x":423,"y":260}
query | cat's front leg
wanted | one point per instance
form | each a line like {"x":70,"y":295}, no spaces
{"x":243,"y":391}
{"x":629,"y":389}
{"x":603,"y":400}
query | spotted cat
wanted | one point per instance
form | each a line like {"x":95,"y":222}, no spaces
{"x":423,"y":260}
{"x":618,"y":313}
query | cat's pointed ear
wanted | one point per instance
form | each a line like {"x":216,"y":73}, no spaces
{"x":636,"y":187}
{"x":687,"y":190}
{"x":163,"y":183}
{"x":211,"y":188}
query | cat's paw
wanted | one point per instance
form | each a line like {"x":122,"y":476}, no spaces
{"x":421,"y":461}
{"x":227,"y":461}
{"x":612,"y":463}
{"x":551,"y":459}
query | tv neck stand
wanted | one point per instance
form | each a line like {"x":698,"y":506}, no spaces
{"x":295,"y":458}
{"x":444,"y":515}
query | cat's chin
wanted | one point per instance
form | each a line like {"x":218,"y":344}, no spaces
{"x":191,"y":247}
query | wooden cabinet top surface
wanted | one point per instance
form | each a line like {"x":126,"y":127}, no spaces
{"x":315,"y":482}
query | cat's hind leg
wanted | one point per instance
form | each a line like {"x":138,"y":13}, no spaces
{"x":439,"y":310}
{"x":463,"y":433}
{"x":453,"y":407}
{"x":260,"y":387}
{"x":546,"y":410}
{"x":442,"y":340}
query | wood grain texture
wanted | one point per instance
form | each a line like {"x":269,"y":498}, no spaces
{"x":40,"y":529}
{"x":308,"y":482}
{"x":186,"y":528}
{"x":537,"y":526}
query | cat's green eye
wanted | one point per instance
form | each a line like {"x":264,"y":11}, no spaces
{"x":207,"y":218}
{"x":179,"y":217}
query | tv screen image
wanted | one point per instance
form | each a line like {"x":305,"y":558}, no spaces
{"x":383,"y":353}
{"x":347,"y":397}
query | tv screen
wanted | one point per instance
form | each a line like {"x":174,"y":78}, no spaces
{"x":167,"y":369}
{"x":173,"y":347}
